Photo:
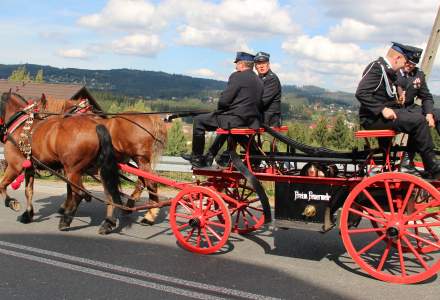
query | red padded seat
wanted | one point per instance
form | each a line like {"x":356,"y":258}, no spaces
{"x":375,"y":133}
{"x":245,"y":131}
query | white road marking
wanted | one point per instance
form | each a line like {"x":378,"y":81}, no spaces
{"x":141,"y":273}
{"x":125,"y":279}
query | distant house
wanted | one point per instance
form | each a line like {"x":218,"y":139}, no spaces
{"x":56,"y":91}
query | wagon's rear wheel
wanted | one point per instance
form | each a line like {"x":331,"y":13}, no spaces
{"x":246,"y":215}
{"x":403,"y":245}
{"x":200,"y":220}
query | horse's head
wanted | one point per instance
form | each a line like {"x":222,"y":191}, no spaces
{"x":10,"y":104}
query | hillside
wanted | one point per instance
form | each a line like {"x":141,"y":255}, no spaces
{"x":125,"y":82}
{"x":151,"y":84}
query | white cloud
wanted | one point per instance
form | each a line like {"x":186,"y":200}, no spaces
{"x":408,"y":22}
{"x":138,"y":44}
{"x":224,"y":25}
{"x":203,"y":72}
{"x":125,"y":15}
{"x":73,"y":53}
{"x":322,"y":49}
{"x":213,"y":38}
{"x":351,"y":30}
{"x":207,"y":73}
{"x":230,"y":25}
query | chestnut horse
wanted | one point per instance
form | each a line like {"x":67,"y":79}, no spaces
{"x":139,"y":137}
{"x":73,"y":144}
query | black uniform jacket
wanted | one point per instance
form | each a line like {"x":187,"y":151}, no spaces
{"x":414,"y":83}
{"x":372,"y":91}
{"x":272,"y":93}
{"x":240,"y":102}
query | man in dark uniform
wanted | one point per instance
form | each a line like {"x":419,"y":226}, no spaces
{"x":239,"y":106}
{"x":380,"y":108}
{"x":270,"y":107}
{"x":413,"y":84}
{"x":272,"y":90}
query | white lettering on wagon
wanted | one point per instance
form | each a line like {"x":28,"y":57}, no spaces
{"x":311,"y":196}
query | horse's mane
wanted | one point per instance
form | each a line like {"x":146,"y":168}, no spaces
{"x":56,"y":106}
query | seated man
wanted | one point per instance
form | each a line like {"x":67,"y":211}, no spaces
{"x":272,"y":90}
{"x":238,"y":107}
{"x":270,"y":106}
{"x":380,"y":108}
{"x":412,"y":85}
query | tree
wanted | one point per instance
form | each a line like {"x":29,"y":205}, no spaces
{"x":298,"y":132}
{"x":39,"y":77}
{"x":338,"y":136}
{"x":320,"y":133}
{"x":176,"y":140}
{"x":20,"y":74}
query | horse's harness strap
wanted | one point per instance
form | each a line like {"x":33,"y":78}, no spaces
{"x":26,"y":117}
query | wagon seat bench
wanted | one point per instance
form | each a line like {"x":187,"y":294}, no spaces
{"x":247,"y":132}
{"x":385,"y":139}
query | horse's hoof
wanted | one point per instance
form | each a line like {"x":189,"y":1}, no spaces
{"x":12,"y":204}
{"x":61,"y":210}
{"x":63,"y":226}
{"x":146,"y":222}
{"x":65,"y":222}
{"x":27,"y":217}
{"x":106,"y":227}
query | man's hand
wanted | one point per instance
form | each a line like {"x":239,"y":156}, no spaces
{"x":389,"y":114}
{"x":430,"y":120}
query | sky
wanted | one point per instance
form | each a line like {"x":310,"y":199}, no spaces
{"x":325,"y":43}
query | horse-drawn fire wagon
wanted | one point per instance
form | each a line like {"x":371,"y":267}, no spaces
{"x":389,"y":221}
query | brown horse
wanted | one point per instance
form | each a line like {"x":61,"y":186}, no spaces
{"x":73,"y":144}
{"x":138,"y":137}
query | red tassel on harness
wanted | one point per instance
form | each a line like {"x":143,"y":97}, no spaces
{"x":27,"y":164}
{"x":17,"y":182}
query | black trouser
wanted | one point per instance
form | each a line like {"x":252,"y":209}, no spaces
{"x":413,"y":123}
{"x":272,"y":119}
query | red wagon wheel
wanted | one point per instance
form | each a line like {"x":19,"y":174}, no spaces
{"x":246,"y":215}
{"x":403,"y":245}
{"x":200,"y":220}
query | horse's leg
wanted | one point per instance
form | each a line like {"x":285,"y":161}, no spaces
{"x":151,"y":215}
{"x":8,"y":177}
{"x":28,"y":214}
{"x":72,"y":201}
{"x":111,"y":217}
{"x":86,"y":197}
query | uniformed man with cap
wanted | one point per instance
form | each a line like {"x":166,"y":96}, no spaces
{"x":272,"y":90}
{"x":381,"y":109}
{"x":238,"y":106}
{"x":413,"y":83}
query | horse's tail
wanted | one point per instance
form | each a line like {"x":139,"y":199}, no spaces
{"x":160,"y":135}
{"x":107,"y":164}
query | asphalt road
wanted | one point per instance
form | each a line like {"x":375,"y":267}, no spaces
{"x":138,"y":262}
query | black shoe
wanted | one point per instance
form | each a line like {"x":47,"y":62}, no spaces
{"x":186,"y":156}
{"x":209,"y":159}
{"x":198,"y":161}
{"x":434,"y":172}
{"x":407,"y":166}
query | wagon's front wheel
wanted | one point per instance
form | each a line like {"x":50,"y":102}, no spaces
{"x":200,"y":220}
{"x":389,"y":232}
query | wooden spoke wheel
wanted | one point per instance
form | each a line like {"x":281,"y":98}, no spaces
{"x":390,"y":226}
{"x":200,"y":220}
{"x":246,"y":211}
